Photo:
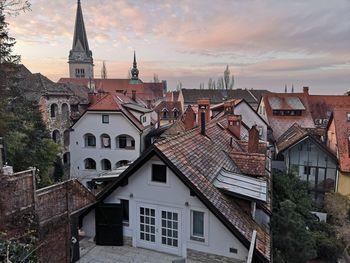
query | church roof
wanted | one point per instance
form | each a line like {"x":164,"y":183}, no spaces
{"x":80,"y":36}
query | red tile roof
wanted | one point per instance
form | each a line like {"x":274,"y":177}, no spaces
{"x":280,"y":124}
{"x":200,"y":158}
{"x":144,"y":90}
{"x":342,"y":133}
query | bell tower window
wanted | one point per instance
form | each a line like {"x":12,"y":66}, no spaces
{"x":80,"y":73}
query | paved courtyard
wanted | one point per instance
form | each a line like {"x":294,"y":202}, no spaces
{"x":90,"y":253}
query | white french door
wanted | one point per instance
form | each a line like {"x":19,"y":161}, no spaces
{"x":159,"y":228}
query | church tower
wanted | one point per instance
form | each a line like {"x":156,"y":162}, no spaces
{"x":81,"y":64}
{"x":134,"y":72}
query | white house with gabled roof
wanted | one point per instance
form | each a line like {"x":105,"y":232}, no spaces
{"x":108,"y":135}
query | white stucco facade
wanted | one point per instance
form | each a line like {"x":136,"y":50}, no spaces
{"x":91,"y":124}
{"x":173,"y":197}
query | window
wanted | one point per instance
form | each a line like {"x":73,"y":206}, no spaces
{"x":176,"y":113}
{"x":125,"y":142}
{"x":66,"y":138}
{"x":144,"y":119}
{"x":53,"y":110}
{"x":90,"y":140}
{"x":56,"y":136}
{"x":105,"y":118}
{"x":105,"y":141}
{"x":165,"y":113}
{"x":106,"y":165}
{"x":90,"y":164}
{"x":121,"y":163}
{"x":65,"y":111}
{"x":197,"y":225}
{"x":66,"y":158}
{"x":307,"y":168}
{"x":79,"y":72}
{"x":125,"y":206}
{"x":159,"y":173}
{"x":348,"y":116}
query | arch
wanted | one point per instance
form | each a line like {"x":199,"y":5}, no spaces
{"x":56,"y":136}
{"x":165,"y":113}
{"x":89,"y":140}
{"x":106,"y":165}
{"x":121,"y":163}
{"x":53,"y":110}
{"x":105,"y":141}
{"x":66,"y":158}
{"x":125,"y":141}
{"x":176,"y":113}
{"x":65,"y":111}
{"x":89,"y":164}
{"x":66,"y":138}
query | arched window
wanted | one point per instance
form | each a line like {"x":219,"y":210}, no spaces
{"x":176,"y":113}
{"x":165,"y":113}
{"x":66,"y":158}
{"x":125,"y":142}
{"x":90,"y":164}
{"x":56,"y":136}
{"x":66,"y":138}
{"x":105,"y":141}
{"x":89,"y":140}
{"x":65,"y":111}
{"x":53,"y":110}
{"x":106,"y":164}
{"x":121,"y":163}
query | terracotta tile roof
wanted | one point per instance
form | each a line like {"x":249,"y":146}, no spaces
{"x":250,"y":164}
{"x":115,"y":102}
{"x":342,"y":133}
{"x":169,"y":105}
{"x":290,"y":137}
{"x":321,"y":107}
{"x":281,"y":124}
{"x":144,"y":90}
{"x":200,"y":158}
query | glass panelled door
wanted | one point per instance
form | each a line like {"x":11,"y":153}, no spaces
{"x":159,"y":228}
{"x":170,"y":230}
{"x":148,"y":224}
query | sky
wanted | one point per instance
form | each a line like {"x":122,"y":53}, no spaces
{"x":266,"y":43}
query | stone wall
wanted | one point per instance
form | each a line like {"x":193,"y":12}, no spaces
{"x":209,"y":258}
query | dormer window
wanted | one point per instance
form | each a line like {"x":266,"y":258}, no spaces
{"x":165,"y":113}
{"x":176,"y":113}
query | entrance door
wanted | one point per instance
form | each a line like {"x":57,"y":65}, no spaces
{"x":159,"y":228}
{"x":109,"y":224}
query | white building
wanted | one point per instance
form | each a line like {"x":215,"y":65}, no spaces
{"x":179,"y":197}
{"x":109,"y":134}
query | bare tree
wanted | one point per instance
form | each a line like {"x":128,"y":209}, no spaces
{"x":210,"y":83}
{"x":155,"y":78}
{"x":104,"y":71}
{"x":14,"y":7}
{"x":227,"y":77}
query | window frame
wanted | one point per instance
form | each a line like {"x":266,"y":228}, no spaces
{"x":196,"y":238}
{"x":158,"y":183}
{"x":104,"y":120}
{"x":126,"y":221}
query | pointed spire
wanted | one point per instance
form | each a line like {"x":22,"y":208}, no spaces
{"x":79,"y":31}
{"x":134,"y":70}
{"x":292,"y":88}
{"x":285,"y":88}
{"x":104,"y":71}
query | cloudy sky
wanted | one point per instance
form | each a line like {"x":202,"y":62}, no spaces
{"x":266,"y":43}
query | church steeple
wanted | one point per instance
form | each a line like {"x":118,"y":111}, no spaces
{"x":80,"y":57}
{"x":134,"y":72}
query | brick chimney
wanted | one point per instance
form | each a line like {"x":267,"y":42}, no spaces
{"x":234,"y":125}
{"x":229,"y":107}
{"x":203,"y":106}
{"x":92,"y":96}
{"x":253,"y":140}
{"x":306,"y":90}
{"x":189,"y":118}
{"x":133,"y":95}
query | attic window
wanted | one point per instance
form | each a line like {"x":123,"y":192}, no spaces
{"x":159,"y":173}
{"x":348,"y":116}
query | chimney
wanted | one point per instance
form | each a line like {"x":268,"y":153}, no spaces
{"x":133,"y":95}
{"x":234,"y":125}
{"x":92,"y":96}
{"x":306,"y":90}
{"x":203,"y":106}
{"x":253,"y":140}
{"x":202,"y":122}
{"x":189,"y":118}
{"x":229,"y":107}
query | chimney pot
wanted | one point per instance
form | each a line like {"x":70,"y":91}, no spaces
{"x":306,"y":90}
{"x":203,"y":123}
{"x":203,"y":106}
{"x":133,"y":96}
{"x":189,"y":118}
{"x":229,"y":107}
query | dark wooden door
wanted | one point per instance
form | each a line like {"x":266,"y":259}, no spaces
{"x":75,"y":253}
{"x":109,"y":224}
